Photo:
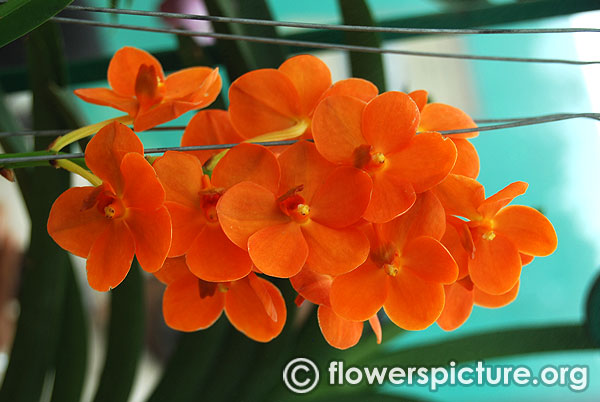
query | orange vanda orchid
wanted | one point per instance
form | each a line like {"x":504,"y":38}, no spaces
{"x":191,"y":198}
{"x":140,"y":89}
{"x":253,"y":305}
{"x":308,"y":220}
{"x":405,"y":272}
{"x":380,"y":138}
{"x":123,"y":217}
{"x":500,"y":234}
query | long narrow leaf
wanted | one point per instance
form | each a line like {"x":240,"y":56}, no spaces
{"x":125,"y":339}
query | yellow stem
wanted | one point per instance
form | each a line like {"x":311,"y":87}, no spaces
{"x":288,"y":134}
{"x":75,"y":168}
{"x":86,"y":131}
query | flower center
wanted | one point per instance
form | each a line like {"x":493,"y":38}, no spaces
{"x":109,"y":205}
{"x":293,"y":205}
{"x":489,"y":235}
{"x":367,"y":159}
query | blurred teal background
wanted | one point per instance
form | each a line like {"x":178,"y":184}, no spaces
{"x":559,"y":161}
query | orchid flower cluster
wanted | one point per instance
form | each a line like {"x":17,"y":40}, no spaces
{"x":371,"y":208}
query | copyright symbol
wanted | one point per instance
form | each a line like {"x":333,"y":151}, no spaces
{"x":297,"y":375}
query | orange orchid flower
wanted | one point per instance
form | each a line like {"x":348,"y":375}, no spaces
{"x":307,"y":221}
{"x":140,"y":89}
{"x":209,"y":127}
{"x":405,"y":273}
{"x":191,"y":197}
{"x":442,"y":117}
{"x":273,"y":100}
{"x":500,"y":233}
{"x":337,"y":331}
{"x":122,"y":217}
{"x":380,"y":138}
{"x":253,"y":305}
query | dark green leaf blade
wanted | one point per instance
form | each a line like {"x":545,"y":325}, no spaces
{"x":364,"y":65}
{"x":25,"y":18}
{"x":71,"y":359}
{"x":125,"y":339}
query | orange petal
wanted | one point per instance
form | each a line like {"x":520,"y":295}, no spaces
{"x":467,"y":159}
{"x":302,"y":165}
{"x":151,"y":231}
{"x":214,"y":258}
{"x":247,"y":162}
{"x":192,"y":84}
{"x":208,"y":127}
{"x":334,"y":251}
{"x":336,"y":128}
{"x":496,"y":266}
{"x":420,"y":98}
{"x":390,"y":121}
{"x":494,"y":301}
{"x":147,"y":90}
{"x":172,"y":269}
{"x":246,"y":208}
{"x":142,"y":189}
{"x":107,"y":97}
{"x":424,"y":162}
{"x":425,"y":218}
{"x":110,"y":257}
{"x":494,"y":203}
{"x":310,"y":76}
{"x":72,"y":226}
{"x":186,"y":224}
{"x":390,"y":197}
{"x":246,"y":310}
{"x":181,"y":176}
{"x":124,"y":67}
{"x":278,"y":250}
{"x":355,"y":87}
{"x":460,"y":195}
{"x":161,"y":113}
{"x":335,"y":206}
{"x":105,"y":151}
{"x":441,"y":117}
{"x":427,"y":258}
{"x":413,"y":303}
{"x":453,"y":243}
{"x":458,"y":307}
{"x":337,"y":331}
{"x":376,"y":327}
{"x":185,"y":310}
{"x":528,"y":229}
{"x":525,"y":259}
{"x":359,"y":294}
{"x":313,"y":286}
{"x":263,"y":101}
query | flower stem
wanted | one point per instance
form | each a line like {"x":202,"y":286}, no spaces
{"x":79,"y":170}
{"x":86,"y":131}
{"x":287,"y":134}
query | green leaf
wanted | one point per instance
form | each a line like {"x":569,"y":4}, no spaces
{"x":364,"y":65}
{"x":125,"y":339}
{"x":20,"y":19}
{"x":11,"y":6}
{"x":592,"y":323}
{"x":71,"y":359}
{"x":240,"y":57}
{"x":191,"y":362}
{"x":42,"y":293}
{"x":489,"y":345}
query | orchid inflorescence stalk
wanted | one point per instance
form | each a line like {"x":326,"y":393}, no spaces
{"x":377,"y":210}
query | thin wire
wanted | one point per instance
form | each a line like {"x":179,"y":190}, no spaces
{"x":349,"y":28}
{"x":317,"y":45}
{"x":540,"y":119}
{"x":520,"y":123}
